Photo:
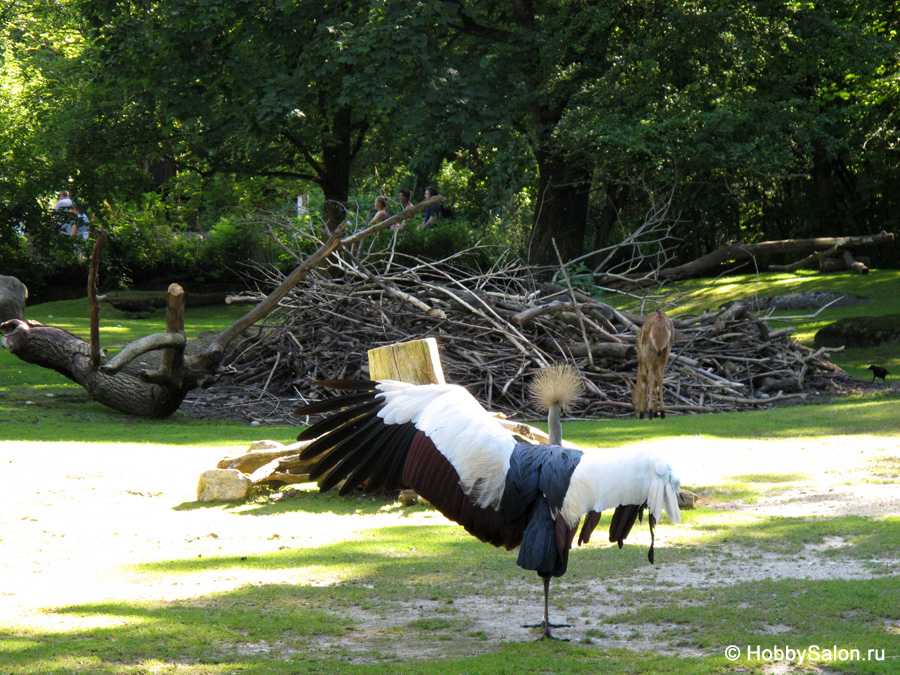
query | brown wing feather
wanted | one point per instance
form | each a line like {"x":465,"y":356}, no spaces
{"x":591,"y":520}
{"x":431,"y":475}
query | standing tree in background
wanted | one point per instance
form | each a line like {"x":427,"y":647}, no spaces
{"x":288,"y":89}
{"x":761,"y":120}
{"x":742,"y":108}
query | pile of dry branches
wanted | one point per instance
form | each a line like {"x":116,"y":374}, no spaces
{"x":495,"y":330}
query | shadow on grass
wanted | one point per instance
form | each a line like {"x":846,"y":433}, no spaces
{"x":267,"y":630}
{"x":314,"y":625}
{"x":302,"y":628}
{"x":366,"y":557}
{"x":247,"y":628}
{"x":307,"y":499}
{"x":852,"y":614}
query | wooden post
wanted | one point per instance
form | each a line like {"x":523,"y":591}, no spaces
{"x":92,"y":298}
{"x":416,"y":362}
{"x":173,"y":358}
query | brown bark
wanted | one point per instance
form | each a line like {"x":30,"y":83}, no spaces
{"x":69,"y":355}
{"x":843,"y":263}
{"x":92,"y":297}
{"x":616,"y":197}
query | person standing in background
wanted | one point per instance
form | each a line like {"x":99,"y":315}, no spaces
{"x":433,"y":211}
{"x":380,"y":210}
{"x":63,"y":201}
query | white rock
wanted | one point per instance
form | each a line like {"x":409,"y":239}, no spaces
{"x":223,"y":485}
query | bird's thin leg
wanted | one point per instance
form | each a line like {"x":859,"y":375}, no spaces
{"x":545,"y":624}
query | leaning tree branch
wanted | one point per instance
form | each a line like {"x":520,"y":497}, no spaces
{"x":139,"y":347}
{"x":393,"y":220}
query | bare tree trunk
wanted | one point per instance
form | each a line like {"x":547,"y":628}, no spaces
{"x":616,"y":196}
{"x":561,"y":211}
{"x":336,"y":160}
{"x":69,"y":355}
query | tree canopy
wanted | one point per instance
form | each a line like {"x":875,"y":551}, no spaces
{"x":551,"y":125}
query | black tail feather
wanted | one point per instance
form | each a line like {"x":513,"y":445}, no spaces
{"x":332,"y":423}
{"x":332,"y":404}
{"x":346,"y":442}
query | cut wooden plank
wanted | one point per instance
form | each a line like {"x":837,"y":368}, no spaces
{"x":416,"y":362}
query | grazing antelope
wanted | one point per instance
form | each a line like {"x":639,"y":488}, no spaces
{"x":654,"y":341}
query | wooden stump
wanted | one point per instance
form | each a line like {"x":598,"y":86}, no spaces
{"x":416,"y":362}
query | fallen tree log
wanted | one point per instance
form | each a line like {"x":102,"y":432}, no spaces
{"x":846,"y":262}
{"x":707,"y":264}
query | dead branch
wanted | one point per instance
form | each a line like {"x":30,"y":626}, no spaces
{"x":497,"y":329}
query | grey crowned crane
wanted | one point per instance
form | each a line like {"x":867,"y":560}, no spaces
{"x":438,"y":441}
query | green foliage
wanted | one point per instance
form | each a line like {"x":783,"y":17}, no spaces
{"x":763,"y":121}
{"x":144,"y":246}
{"x":582,"y":279}
{"x":445,"y":239}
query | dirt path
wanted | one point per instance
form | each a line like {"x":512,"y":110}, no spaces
{"x":76,"y":519}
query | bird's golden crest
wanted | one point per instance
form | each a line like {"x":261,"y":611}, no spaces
{"x":558,"y":385}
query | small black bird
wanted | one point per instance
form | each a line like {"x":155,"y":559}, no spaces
{"x":878,"y":371}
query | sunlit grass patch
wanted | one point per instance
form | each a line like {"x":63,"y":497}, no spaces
{"x":725,"y":493}
{"x":887,"y":467}
{"x":772,"y":477}
{"x":748,"y":488}
{"x":869,"y":537}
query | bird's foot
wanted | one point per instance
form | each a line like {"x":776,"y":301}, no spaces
{"x":548,"y":635}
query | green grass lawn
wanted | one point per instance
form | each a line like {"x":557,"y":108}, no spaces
{"x":399,"y":592}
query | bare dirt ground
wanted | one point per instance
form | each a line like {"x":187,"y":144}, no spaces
{"x":77,"y":519}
